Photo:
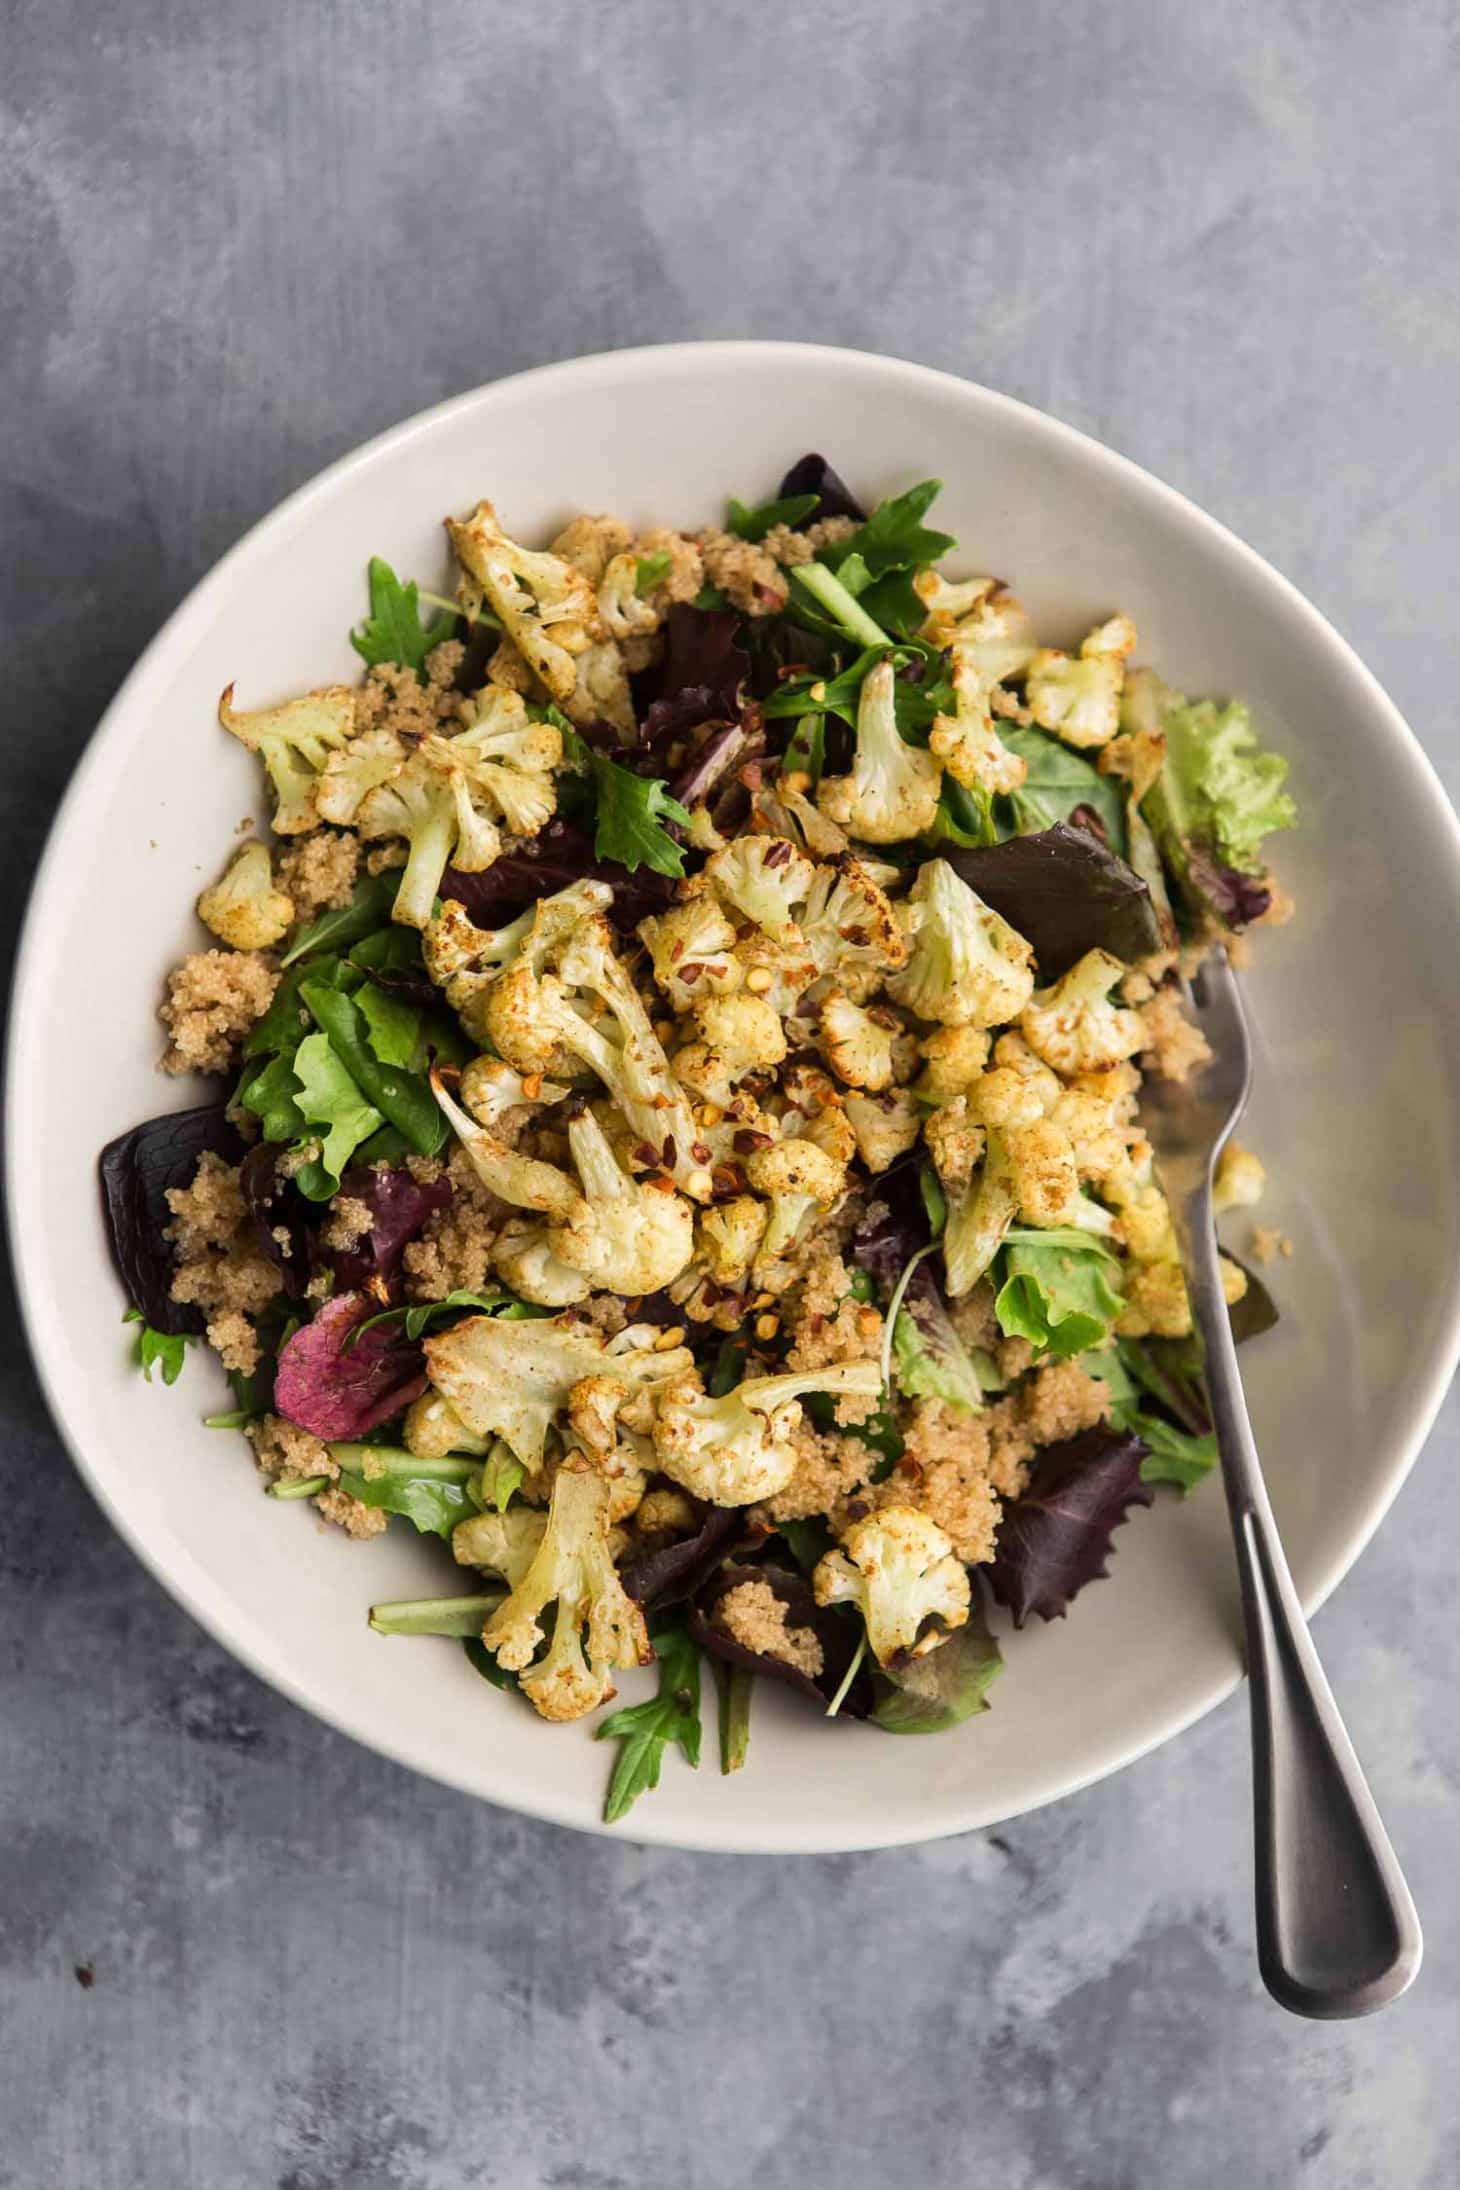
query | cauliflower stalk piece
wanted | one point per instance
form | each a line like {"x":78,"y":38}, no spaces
{"x":293,"y":742}
{"x":1079,"y":699}
{"x":525,"y":1181}
{"x":621,"y":1047}
{"x":510,"y":1380}
{"x":1074,"y":1028}
{"x":900,"y":1571}
{"x":597,"y":1626}
{"x":966,"y":741}
{"x":966,"y":965}
{"x":892,"y":791}
{"x":244,"y":909}
{"x":738,"y":1449}
{"x":978,"y":1218}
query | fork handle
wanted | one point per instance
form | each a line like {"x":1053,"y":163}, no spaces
{"x":1337,"y":1933}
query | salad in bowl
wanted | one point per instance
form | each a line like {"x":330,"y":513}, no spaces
{"x":677,"y":1137}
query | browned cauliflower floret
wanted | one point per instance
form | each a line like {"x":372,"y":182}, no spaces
{"x":244,"y":909}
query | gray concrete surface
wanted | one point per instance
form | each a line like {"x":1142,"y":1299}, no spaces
{"x":236,"y":241}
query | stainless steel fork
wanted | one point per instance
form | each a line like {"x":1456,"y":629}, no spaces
{"x":1337,"y":1932}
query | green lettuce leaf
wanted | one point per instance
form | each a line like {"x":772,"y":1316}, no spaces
{"x":1220,"y":786}
{"x":271,"y":1092}
{"x":1056,"y":1289}
{"x":392,"y":1025}
{"x":629,"y":810}
{"x":754,"y":524}
{"x":943,"y":1689}
{"x":1179,"y":1456}
{"x":392,"y":632}
{"x":931,"y":1359}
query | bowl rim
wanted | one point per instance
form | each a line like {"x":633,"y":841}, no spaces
{"x":1423,"y":1399}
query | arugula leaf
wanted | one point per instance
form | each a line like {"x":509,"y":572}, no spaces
{"x":652,"y":570}
{"x":893,"y":602}
{"x":630,"y":810}
{"x":894,"y":536}
{"x":646,"y":1729}
{"x":1179,"y":1456}
{"x":1058,"y":782}
{"x":502,"y":1474}
{"x":944,"y":1688}
{"x":935,"y":1201}
{"x":392,"y":1025}
{"x":807,"y":748}
{"x":754,"y":524}
{"x":932,"y":1360}
{"x":1056,"y":1291}
{"x":368,"y":909}
{"x":811,"y":695}
{"x":392,"y":631}
{"x":158,"y":1349}
{"x":329,"y":1097}
{"x":965,"y":817}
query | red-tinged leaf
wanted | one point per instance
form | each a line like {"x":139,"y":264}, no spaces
{"x":813,"y":475}
{"x":1235,"y":898}
{"x":704,"y":670}
{"x":557,"y":856}
{"x":338,"y":1393}
{"x":837,"y":1634}
{"x":677,"y":1569}
{"x":1056,"y":1538}
{"x":1065,"y":893}
{"x":399,"y":1205}
{"x":275,"y":1207}
{"x":136,"y":1171}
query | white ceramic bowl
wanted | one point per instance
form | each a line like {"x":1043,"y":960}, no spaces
{"x":1357,"y":1097}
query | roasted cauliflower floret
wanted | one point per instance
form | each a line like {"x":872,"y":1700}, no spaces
{"x":978,"y":1218}
{"x":966,"y":741}
{"x":849,"y":929}
{"x":858,"y":1043}
{"x":467,"y":961}
{"x":293,"y":742}
{"x":433,"y":1430}
{"x":953,"y":1059}
{"x":1240,"y":1179}
{"x":955,"y":1144}
{"x":524,"y":1181}
{"x":692,"y":948}
{"x":244,"y":909}
{"x":590,"y":544}
{"x":988,"y":626}
{"x":500,"y":1543}
{"x":886,"y":1125}
{"x":729,"y":1237}
{"x":510,"y":1380}
{"x":798,"y":1179}
{"x":490,"y":1089}
{"x":892,"y":791}
{"x":1047,"y":1179}
{"x":544,"y":602}
{"x":597,"y":1626}
{"x":625,"y":1236}
{"x":764,"y":878}
{"x":898,"y":1568}
{"x":1074,"y":1027}
{"x":736,"y":1450}
{"x":967,"y":966}
{"x":354,"y":770}
{"x":1079,"y":699}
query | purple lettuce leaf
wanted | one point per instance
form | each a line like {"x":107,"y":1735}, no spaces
{"x":339,"y":1392}
{"x":702,"y":675}
{"x":399,"y":1205}
{"x":679,"y":1569}
{"x":1065,"y":893}
{"x":136,"y":1171}
{"x":813,"y":475}
{"x":557,"y":856}
{"x":1056,"y":1538}
{"x":276,"y":1205}
{"x":1234,"y":898}
{"x":838,"y":1636}
{"x":895,"y":1226}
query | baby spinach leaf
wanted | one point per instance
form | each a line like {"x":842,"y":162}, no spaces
{"x":392,"y":632}
{"x":328,"y":1096}
{"x":807,"y":1541}
{"x":392,"y":1026}
{"x":271,"y":1092}
{"x":482,"y":1660}
{"x":1059,"y":782}
{"x":432,"y":1506}
{"x":403,"y":1098}
{"x":645,"y":1730}
{"x":944,"y":1688}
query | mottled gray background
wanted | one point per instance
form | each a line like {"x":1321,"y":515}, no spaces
{"x":236,"y":240}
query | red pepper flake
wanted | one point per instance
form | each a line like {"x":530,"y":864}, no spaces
{"x":779,"y":853}
{"x":660,"y":1184}
{"x":691,"y":973}
{"x":701,"y":1153}
{"x":646,"y":1152}
{"x":669,"y":1154}
{"x":677,"y":953}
